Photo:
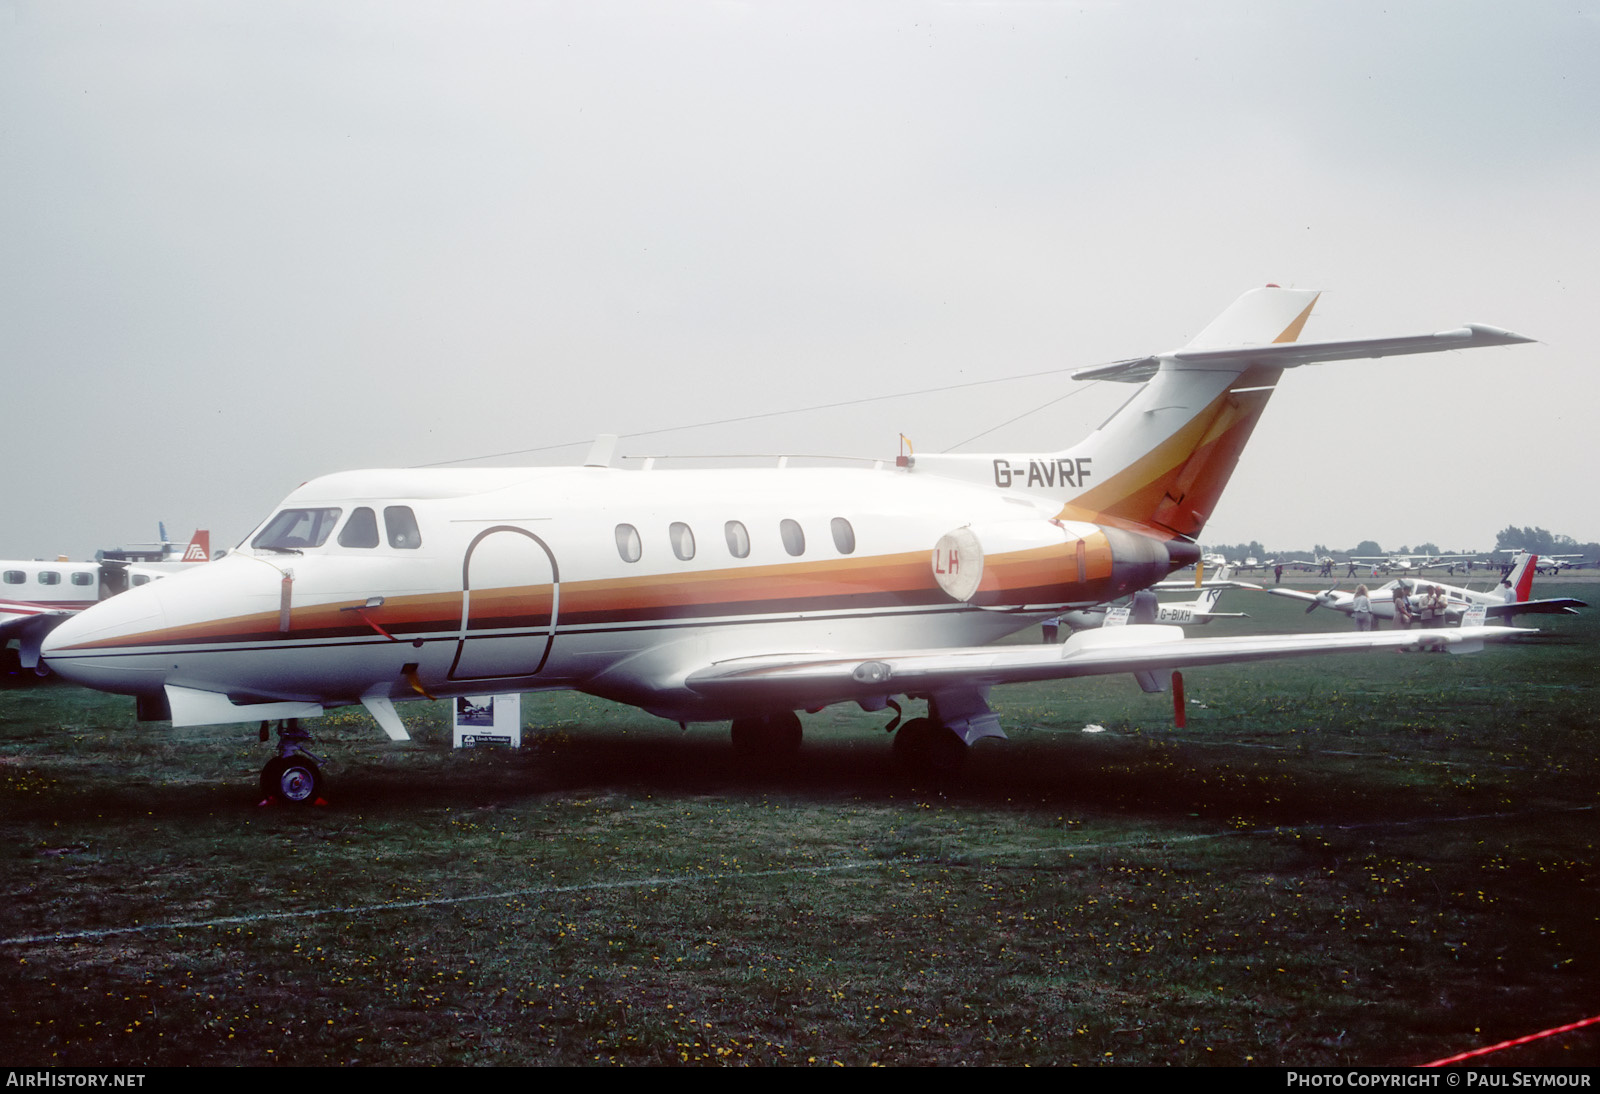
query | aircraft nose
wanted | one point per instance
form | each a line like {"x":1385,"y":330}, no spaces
{"x":93,"y":648}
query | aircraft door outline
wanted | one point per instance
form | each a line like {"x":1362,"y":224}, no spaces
{"x":517,"y":558}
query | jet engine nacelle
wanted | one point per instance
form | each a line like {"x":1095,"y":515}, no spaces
{"x":1021,"y":562}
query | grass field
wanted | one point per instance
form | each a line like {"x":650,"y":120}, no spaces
{"x":1356,"y":860}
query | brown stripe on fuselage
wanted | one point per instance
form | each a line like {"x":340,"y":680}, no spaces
{"x":898,"y":580}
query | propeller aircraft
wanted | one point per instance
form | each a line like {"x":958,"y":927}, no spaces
{"x":1505,"y":602}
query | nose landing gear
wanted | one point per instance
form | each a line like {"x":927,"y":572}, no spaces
{"x":294,"y":775}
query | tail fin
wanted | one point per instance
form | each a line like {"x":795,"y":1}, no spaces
{"x":199,"y":549}
{"x":1161,"y":462}
{"x":1521,"y":576}
{"x":1171,"y":450}
{"x":1260,"y":316}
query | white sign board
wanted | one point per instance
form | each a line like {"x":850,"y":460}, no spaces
{"x":488,"y":720}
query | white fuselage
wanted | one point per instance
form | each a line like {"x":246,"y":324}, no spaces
{"x":41,"y":588}
{"x":522,"y":580}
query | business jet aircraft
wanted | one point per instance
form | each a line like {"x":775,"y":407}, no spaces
{"x":736,"y":594}
{"x":1505,"y":602}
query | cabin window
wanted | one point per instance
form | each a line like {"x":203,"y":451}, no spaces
{"x":794,"y":537}
{"x":361,"y":530}
{"x":629,"y":546}
{"x":738,"y":539}
{"x":15,"y":577}
{"x":141,"y":579}
{"x":49,"y":577}
{"x":844,"y":536}
{"x":401,"y":524}
{"x":682,"y":537}
{"x":293,"y":529}
{"x":81,"y":578}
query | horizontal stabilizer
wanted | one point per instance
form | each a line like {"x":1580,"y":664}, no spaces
{"x":1564,"y":605}
{"x":1293,"y":354}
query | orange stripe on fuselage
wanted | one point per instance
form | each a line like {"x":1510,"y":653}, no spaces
{"x":904,"y":579}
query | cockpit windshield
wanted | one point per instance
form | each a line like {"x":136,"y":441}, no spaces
{"x":296,"y":529}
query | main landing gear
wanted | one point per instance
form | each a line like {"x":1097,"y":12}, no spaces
{"x":935,"y":745}
{"x":939,"y":743}
{"x":925,"y":747}
{"x":293,"y":776}
{"x":767,"y":736}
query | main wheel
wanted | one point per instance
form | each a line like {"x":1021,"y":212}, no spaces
{"x":296,"y":780}
{"x":924,"y":747}
{"x":769,"y":736}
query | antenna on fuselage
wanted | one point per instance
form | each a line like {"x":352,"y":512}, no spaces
{"x":602,"y":451}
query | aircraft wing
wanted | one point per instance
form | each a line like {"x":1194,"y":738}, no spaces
{"x":811,"y":681}
{"x":1209,"y":583}
{"x":1294,"y":354}
{"x":1309,"y":598}
{"x":29,"y":630}
{"x":13,"y":624}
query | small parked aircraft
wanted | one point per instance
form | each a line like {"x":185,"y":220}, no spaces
{"x":1503,"y":603}
{"x":738,"y":594}
{"x":35,"y":596}
{"x":1384,"y":564}
{"x":1181,"y":613}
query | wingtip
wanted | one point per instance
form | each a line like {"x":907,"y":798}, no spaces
{"x":1497,"y":334}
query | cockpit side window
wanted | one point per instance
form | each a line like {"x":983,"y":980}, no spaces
{"x":361,"y":530}
{"x":401,"y":524}
{"x":294,"y":529}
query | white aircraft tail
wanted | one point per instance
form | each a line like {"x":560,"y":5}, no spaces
{"x":1523,"y":568}
{"x":1161,"y":462}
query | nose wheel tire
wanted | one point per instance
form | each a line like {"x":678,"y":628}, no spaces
{"x":295,"y":780}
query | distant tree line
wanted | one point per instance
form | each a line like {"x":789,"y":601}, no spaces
{"x":1541,"y":542}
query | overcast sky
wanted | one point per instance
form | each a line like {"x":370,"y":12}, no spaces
{"x":245,"y":244}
